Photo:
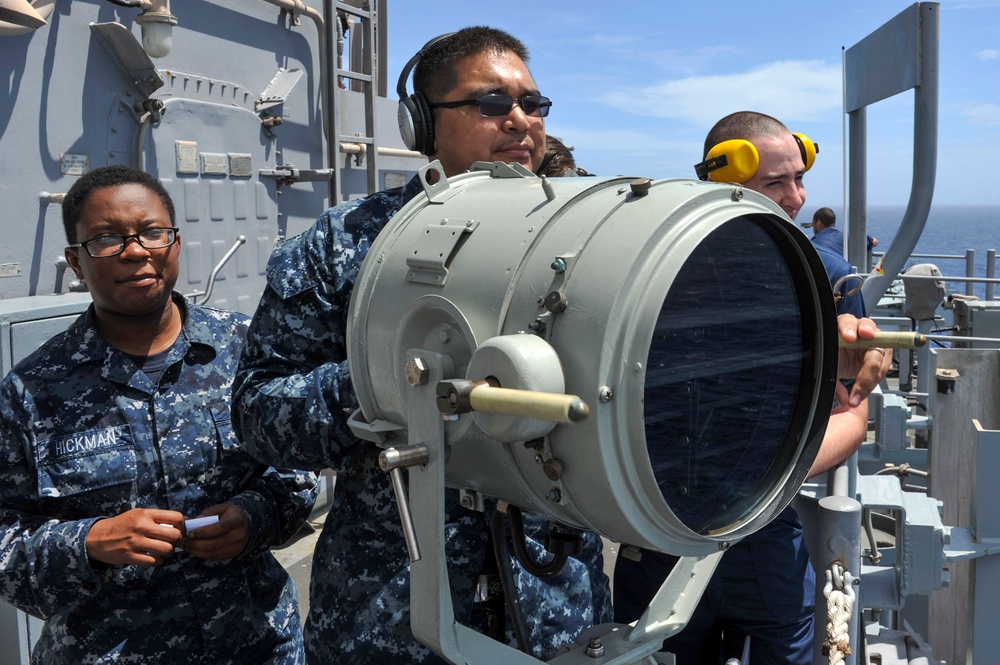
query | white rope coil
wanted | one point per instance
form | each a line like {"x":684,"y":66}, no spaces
{"x":839,"y":609}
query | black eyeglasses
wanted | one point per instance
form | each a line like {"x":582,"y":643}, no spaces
{"x":495,"y":106}
{"x":106,"y":246}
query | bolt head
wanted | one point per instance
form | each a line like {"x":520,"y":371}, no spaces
{"x":640,"y":187}
{"x":553,"y":468}
{"x":595,"y":648}
{"x":556,"y":302}
{"x":417,"y":372}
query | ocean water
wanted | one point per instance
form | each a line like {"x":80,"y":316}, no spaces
{"x":950,"y":229}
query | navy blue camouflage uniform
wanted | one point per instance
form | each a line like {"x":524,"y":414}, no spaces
{"x":85,"y":434}
{"x":292,"y":398}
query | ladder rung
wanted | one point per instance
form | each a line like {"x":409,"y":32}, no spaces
{"x":354,"y":11}
{"x":348,"y":74}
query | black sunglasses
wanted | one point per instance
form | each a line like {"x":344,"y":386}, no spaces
{"x":495,"y":106}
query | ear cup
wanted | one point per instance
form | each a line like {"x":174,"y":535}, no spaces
{"x":407,"y":130}
{"x":735,"y":160}
{"x":416,"y":123}
{"x":808,"y":149}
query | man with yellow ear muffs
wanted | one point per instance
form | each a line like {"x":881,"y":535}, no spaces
{"x":776,"y":610}
{"x":772,"y":162}
{"x":774,"y":169}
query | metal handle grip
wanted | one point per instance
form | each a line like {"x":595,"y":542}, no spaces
{"x":530,"y":404}
{"x":394,"y":460}
{"x":888,"y":340}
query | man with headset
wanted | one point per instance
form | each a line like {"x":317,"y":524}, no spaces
{"x":764,"y":586}
{"x":474,"y":100}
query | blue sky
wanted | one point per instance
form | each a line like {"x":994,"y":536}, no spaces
{"x":636,"y":85}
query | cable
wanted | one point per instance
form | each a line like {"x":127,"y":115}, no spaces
{"x":521,"y":552}
{"x":502,"y":554}
{"x":874,"y":555}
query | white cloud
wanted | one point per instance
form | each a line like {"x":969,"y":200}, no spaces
{"x":606,"y":40}
{"x":988,"y":54}
{"x":794,"y":90}
{"x":626,"y":141}
{"x":982,"y":114}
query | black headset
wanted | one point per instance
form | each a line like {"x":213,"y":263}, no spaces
{"x":737,"y":160}
{"x":416,"y":123}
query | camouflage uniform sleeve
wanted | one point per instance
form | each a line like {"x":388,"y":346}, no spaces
{"x":292,"y":393}
{"x":278,"y":504}
{"x":43,"y":561}
{"x":276,"y":501}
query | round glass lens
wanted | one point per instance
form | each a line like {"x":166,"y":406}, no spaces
{"x":723,"y":377}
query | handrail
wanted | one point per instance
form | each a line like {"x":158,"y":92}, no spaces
{"x":240,"y":239}
{"x":924,"y":80}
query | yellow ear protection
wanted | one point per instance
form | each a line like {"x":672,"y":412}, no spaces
{"x":737,"y":160}
{"x":416,"y":122}
{"x":808,"y":149}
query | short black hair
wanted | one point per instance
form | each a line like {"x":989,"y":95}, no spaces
{"x":435,"y":75}
{"x":826,"y":217}
{"x":101,"y":178}
{"x":746,"y":125}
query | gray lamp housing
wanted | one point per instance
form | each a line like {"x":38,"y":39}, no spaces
{"x":693,"y":318}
